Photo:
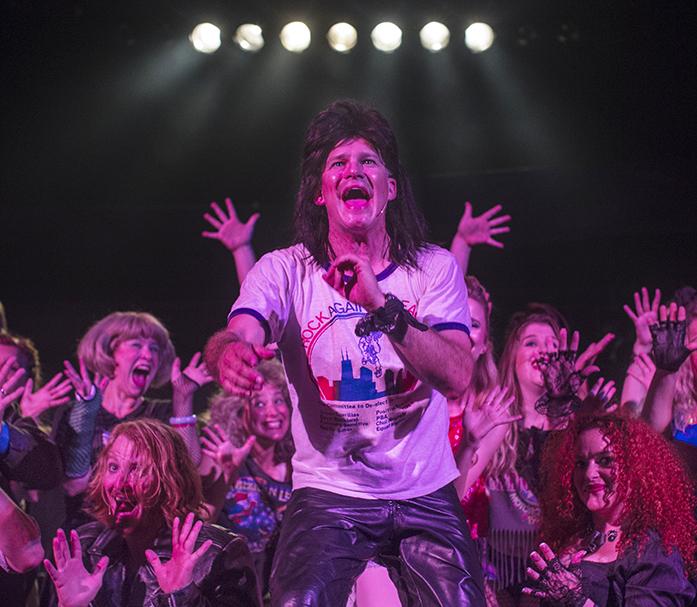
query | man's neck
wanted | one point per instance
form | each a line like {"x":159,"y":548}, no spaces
{"x":373,"y":245}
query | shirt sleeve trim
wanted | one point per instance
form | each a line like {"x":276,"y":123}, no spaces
{"x":251,"y":312}
{"x":448,"y":326}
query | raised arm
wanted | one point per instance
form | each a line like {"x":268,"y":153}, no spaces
{"x":184,"y":385}
{"x":473,"y":231}
{"x":639,"y":373}
{"x":235,"y":236}
{"x":20,"y":541}
{"x":26,"y":453}
{"x":484,"y":428}
{"x":76,"y":430}
{"x":670,"y":350}
{"x":637,"y":382}
{"x":220,"y":466}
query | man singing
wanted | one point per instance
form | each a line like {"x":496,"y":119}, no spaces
{"x":373,"y":327}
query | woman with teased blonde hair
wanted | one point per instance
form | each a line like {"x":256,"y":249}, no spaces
{"x":247,"y":450}
{"x":148,"y":543}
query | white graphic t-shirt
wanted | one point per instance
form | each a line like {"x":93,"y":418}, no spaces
{"x":363,"y":425}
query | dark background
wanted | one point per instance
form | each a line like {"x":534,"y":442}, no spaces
{"x":116,"y":135}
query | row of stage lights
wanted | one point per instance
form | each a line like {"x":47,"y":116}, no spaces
{"x":342,"y":37}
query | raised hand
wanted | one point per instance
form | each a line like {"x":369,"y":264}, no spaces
{"x":10,"y":390}
{"x":236,"y":370}
{"x":644,"y":315}
{"x":229,"y":230}
{"x":177,"y":572}
{"x":217,"y":446}
{"x":352,"y":276}
{"x":482,"y":229}
{"x":563,"y":376}
{"x":85,"y":387}
{"x":493,"y":411}
{"x":599,"y":399}
{"x":552,"y":580}
{"x":52,"y":394}
{"x":75,"y":587}
{"x":670,"y":349}
{"x":192,"y":378}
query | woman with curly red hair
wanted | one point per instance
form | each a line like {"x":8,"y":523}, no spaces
{"x":618,"y":508}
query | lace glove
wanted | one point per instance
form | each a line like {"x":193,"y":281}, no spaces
{"x":551,"y":580}
{"x":669,"y":351}
{"x":562,"y":382}
{"x":560,"y":585}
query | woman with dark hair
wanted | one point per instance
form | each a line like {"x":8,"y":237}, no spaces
{"x":247,"y":450}
{"x":619,"y":511}
{"x":146,"y":546}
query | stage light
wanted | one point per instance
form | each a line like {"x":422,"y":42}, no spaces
{"x":479,"y":37}
{"x":386,"y":37}
{"x":249,"y":37}
{"x":342,"y":37}
{"x":434,"y":36}
{"x":296,"y":36}
{"x":205,"y":37}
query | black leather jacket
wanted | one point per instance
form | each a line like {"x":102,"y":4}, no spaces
{"x":224,"y":577}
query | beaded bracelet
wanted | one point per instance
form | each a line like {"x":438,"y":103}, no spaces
{"x":185,"y":420}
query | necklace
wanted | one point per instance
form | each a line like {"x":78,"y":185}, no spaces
{"x":598,"y":538}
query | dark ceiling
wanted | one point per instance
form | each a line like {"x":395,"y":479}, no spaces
{"x":117,"y":134}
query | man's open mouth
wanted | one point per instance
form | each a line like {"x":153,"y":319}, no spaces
{"x":355,"y":193}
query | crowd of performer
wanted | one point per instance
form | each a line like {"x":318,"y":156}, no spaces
{"x":365,"y":445}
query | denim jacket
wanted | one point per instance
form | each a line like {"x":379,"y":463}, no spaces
{"x":224,"y":577}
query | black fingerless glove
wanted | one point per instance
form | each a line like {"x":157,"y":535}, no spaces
{"x":669,"y":351}
{"x":562,"y":382}
{"x":392,"y":319}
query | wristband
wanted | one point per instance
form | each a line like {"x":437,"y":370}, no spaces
{"x":4,"y":438}
{"x":185,"y":420}
{"x":392,"y":319}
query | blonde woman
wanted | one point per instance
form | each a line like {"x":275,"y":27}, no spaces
{"x":509,"y":453}
{"x":247,"y":450}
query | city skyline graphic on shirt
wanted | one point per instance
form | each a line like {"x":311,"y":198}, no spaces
{"x":363,"y":387}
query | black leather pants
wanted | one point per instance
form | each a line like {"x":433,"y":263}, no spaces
{"x":327,"y":539}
